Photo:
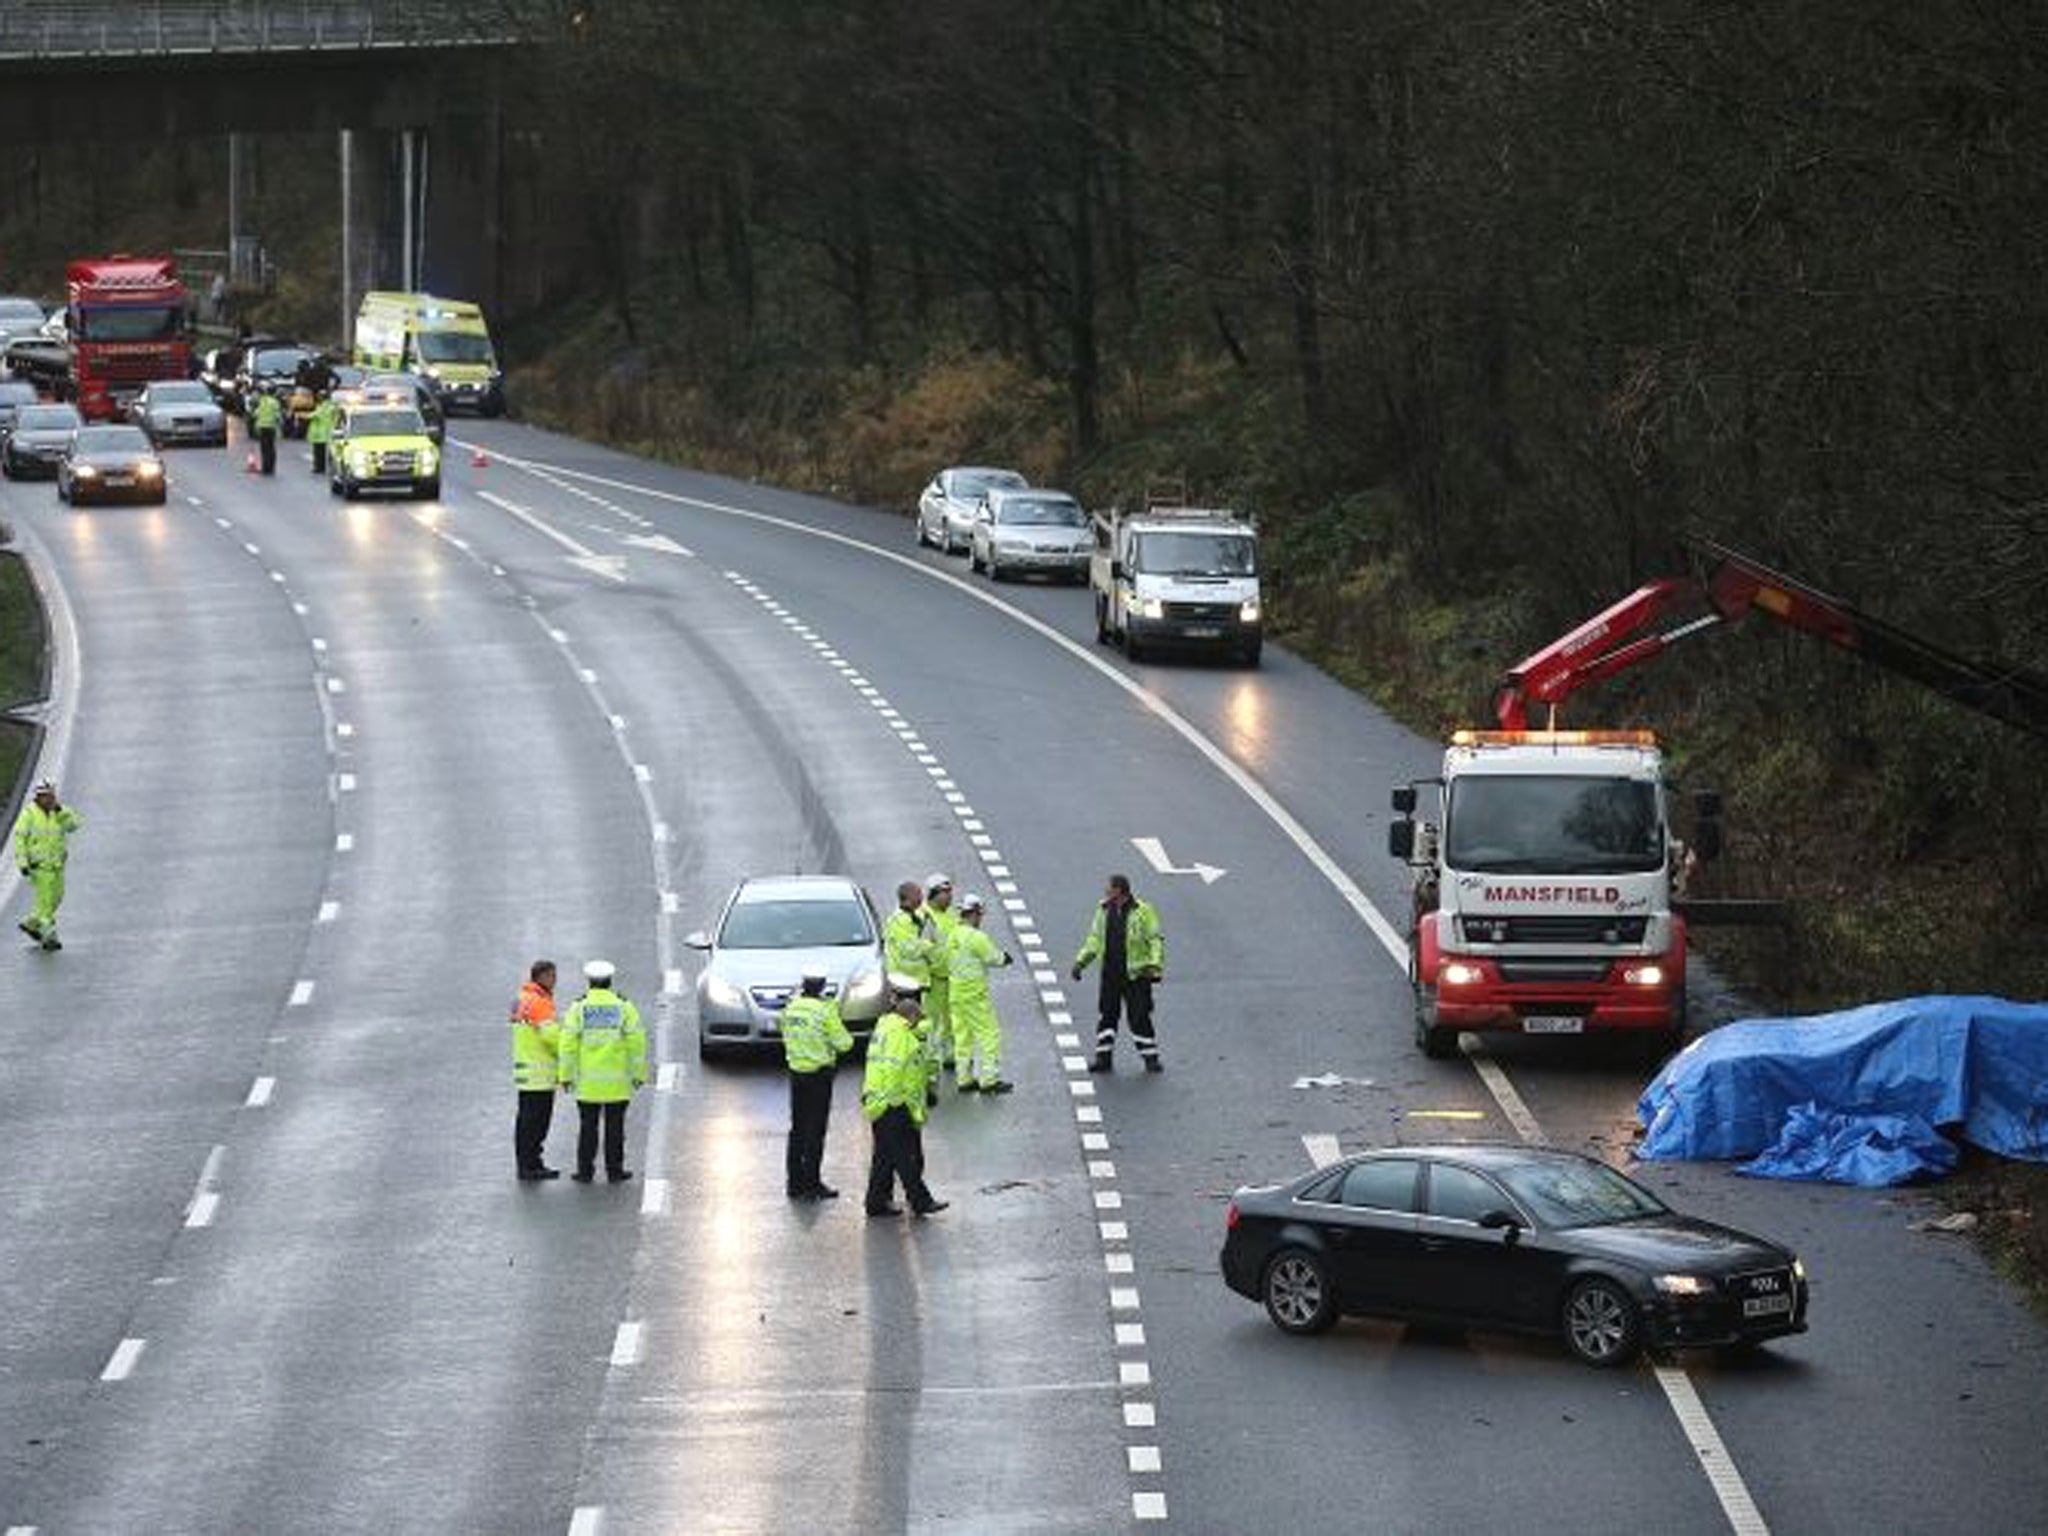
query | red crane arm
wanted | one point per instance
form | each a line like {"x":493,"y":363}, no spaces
{"x":1737,"y":585}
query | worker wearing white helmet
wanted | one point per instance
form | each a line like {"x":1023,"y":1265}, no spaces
{"x":977,"y":1032}
{"x":42,"y":841}
{"x":603,"y":1055}
{"x":937,"y":921}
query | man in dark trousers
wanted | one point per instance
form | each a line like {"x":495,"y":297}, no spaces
{"x":895,"y":1096}
{"x":1125,"y":936}
{"x":536,"y":1069}
{"x":813,"y":1040}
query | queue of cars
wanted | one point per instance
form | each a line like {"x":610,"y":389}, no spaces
{"x":1165,"y":573}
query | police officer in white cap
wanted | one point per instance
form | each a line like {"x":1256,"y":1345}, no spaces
{"x":813,"y":1040}
{"x":603,"y":1057}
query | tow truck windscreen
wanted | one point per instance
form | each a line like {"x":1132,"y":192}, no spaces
{"x":452,"y":347}
{"x":130,"y":322}
{"x":1527,"y":824}
{"x":1196,"y":554}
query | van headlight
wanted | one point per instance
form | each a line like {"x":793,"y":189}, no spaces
{"x":1151,"y":608}
{"x":1248,"y":610}
{"x":720,"y":993}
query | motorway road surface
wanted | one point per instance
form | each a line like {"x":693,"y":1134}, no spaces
{"x":346,"y":769}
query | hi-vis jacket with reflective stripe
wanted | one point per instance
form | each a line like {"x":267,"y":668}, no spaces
{"x":935,"y":926}
{"x":969,"y":957}
{"x":535,"y":1060}
{"x":39,"y":837}
{"x":1144,"y":944}
{"x":812,"y":1036}
{"x":603,"y":1052}
{"x":905,"y":950}
{"x":898,"y":1070}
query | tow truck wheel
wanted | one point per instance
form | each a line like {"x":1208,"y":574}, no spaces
{"x":1431,"y":1038}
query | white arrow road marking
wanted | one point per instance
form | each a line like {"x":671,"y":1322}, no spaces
{"x":1155,"y":855}
{"x":611,"y":567}
{"x":661,"y":543}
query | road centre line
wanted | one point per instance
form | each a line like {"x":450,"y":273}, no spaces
{"x":260,"y":1092}
{"x":588,"y":1520}
{"x":626,"y":1345}
{"x":1114,"y":1235}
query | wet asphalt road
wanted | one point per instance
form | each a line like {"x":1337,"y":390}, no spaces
{"x":343,"y":785}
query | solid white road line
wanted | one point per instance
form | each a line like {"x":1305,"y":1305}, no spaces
{"x":588,"y":1520}
{"x":121,"y":1364}
{"x":204,"y":1204}
{"x":1496,"y":1079}
{"x":654,"y":1197}
{"x":665,"y":1078}
{"x":1744,"y":1518}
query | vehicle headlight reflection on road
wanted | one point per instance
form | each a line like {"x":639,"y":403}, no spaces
{"x":721,"y":993}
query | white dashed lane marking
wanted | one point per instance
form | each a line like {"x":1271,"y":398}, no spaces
{"x":121,"y":1364}
{"x":260,"y":1092}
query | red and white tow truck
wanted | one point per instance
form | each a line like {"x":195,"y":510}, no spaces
{"x":1548,"y":889}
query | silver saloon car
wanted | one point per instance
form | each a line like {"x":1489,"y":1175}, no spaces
{"x":1027,"y":533}
{"x":945,"y":512}
{"x":770,"y":932}
{"x":180,"y":411}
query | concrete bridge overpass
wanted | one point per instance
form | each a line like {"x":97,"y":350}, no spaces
{"x":412,"y":89}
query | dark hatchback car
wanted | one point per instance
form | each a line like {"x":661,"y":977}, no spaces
{"x":39,"y":441}
{"x":14,"y":394}
{"x":111,"y":464}
{"x":1507,"y":1237}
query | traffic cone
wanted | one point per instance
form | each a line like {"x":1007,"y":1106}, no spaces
{"x":479,"y":460}
{"x":249,"y":465}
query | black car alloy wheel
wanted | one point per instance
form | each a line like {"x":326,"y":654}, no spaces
{"x":1600,"y":1323}
{"x":1298,"y":1294}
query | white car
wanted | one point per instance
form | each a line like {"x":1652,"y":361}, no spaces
{"x":1024,"y":533}
{"x":945,"y":512}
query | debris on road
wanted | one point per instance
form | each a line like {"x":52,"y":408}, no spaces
{"x":1958,"y":1221}
{"x":1332,"y":1080}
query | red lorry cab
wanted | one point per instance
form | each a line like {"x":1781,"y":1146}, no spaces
{"x":130,"y":320}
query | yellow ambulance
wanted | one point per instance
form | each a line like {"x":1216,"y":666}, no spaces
{"x":443,"y":341}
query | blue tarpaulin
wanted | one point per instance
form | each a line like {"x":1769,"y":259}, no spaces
{"x":1854,"y":1096}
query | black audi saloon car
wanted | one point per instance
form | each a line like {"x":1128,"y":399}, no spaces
{"x":1508,"y":1237}
{"x":111,"y":463}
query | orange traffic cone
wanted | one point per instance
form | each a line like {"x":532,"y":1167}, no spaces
{"x":249,"y":465}
{"x":479,"y":460}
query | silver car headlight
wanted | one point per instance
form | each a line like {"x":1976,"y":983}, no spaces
{"x":720,"y":993}
{"x":863,"y":987}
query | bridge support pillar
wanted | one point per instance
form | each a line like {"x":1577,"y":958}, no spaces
{"x":464,"y":221}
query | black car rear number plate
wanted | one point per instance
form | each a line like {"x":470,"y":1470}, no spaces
{"x":1766,"y":1306}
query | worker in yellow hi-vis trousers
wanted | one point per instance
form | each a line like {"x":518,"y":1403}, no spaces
{"x":41,"y":847}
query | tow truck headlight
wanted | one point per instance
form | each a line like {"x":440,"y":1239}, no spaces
{"x":1644,"y":975}
{"x":1460,"y":973}
{"x":1151,"y":608}
{"x":1248,"y":610}
{"x":721,"y":993}
{"x":1683,"y":1285}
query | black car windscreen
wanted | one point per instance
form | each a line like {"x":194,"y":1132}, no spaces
{"x":1542,"y":825}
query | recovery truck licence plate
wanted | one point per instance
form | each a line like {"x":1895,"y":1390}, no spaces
{"x":1553,"y":1024}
